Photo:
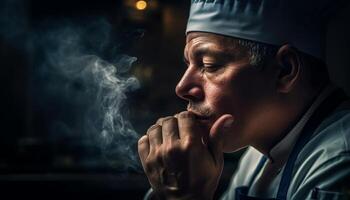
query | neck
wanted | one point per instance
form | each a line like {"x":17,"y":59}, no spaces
{"x":284,"y":117}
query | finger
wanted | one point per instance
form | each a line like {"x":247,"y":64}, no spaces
{"x":143,"y":148}
{"x":160,"y":120}
{"x":155,"y":137}
{"x":216,"y":136}
{"x":188,"y":126}
{"x":170,"y":130}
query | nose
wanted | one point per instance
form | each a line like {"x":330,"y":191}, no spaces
{"x":190,"y":86}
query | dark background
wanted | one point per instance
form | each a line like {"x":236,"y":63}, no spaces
{"x":31,"y":165}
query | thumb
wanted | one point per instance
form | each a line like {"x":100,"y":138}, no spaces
{"x":217,"y":131}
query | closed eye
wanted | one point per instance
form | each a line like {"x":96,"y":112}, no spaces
{"x":210,"y":67}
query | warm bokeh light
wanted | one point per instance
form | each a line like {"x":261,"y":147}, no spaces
{"x":141,"y":5}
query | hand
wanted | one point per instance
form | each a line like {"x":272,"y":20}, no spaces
{"x":177,"y":161}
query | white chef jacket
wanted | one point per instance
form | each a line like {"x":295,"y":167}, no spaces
{"x":322,"y":164}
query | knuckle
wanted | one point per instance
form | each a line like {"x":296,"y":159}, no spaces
{"x":169,"y":121}
{"x":142,"y":144}
{"x":142,"y":140}
{"x":164,"y":119}
{"x":159,"y":121}
{"x":152,"y":129}
{"x":186,"y":114}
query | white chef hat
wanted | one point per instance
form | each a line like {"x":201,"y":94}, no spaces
{"x":300,"y":23}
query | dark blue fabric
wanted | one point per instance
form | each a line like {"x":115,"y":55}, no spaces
{"x":326,"y":107}
{"x":241,"y":193}
{"x":258,"y":168}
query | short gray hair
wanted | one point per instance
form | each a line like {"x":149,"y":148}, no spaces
{"x":259,"y":52}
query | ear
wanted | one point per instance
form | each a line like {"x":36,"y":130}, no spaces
{"x":290,"y":64}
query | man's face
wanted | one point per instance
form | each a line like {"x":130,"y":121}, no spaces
{"x":220,"y":80}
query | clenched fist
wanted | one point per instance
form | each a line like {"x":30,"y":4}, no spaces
{"x":182,"y":158}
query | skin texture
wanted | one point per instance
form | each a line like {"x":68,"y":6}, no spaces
{"x":231,"y":104}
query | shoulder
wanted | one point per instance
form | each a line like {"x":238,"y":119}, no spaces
{"x":331,"y":138}
{"x":325,"y":161}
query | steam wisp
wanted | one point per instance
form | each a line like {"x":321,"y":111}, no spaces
{"x":80,"y":79}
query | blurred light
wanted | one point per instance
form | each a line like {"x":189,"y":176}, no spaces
{"x":141,"y":5}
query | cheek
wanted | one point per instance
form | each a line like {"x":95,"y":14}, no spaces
{"x":239,"y":97}
{"x":222,"y":94}
{"x":218,"y":97}
{"x":230,"y":89}
{"x":242,"y":95}
{"x":247,"y":90}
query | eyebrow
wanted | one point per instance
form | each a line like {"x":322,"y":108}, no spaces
{"x":205,"y":51}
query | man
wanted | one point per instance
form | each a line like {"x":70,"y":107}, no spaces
{"x":255,"y":77}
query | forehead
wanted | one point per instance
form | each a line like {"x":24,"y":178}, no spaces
{"x":212,"y":36}
{"x":199,"y":41}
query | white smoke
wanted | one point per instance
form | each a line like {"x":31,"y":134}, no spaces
{"x":72,"y":81}
{"x":117,"y":133}
{"x":97,"y":87}
{"x":79,"y":79}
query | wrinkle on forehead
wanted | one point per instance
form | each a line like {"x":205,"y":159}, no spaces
{"x":226,"y":44}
